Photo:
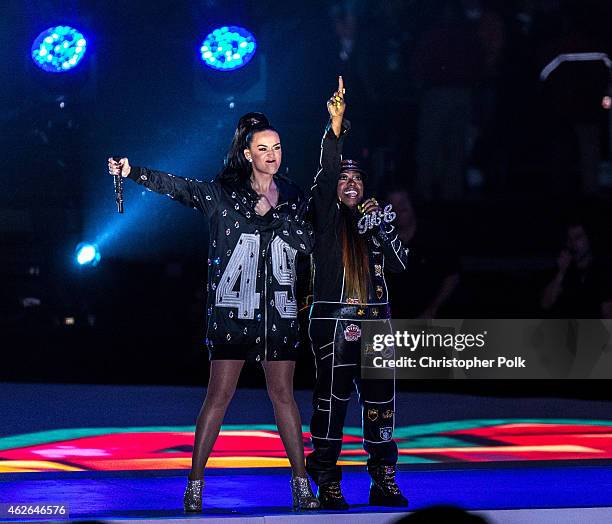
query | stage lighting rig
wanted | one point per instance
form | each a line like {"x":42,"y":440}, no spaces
{"x":59,"y":49}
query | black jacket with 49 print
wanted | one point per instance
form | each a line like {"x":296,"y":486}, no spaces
{"x":251,"y":301}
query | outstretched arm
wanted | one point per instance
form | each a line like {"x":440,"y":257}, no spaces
{"x":193,"y":193}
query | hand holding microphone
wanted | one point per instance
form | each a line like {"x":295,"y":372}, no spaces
{"x":368,"y":206}
{"x":119,"y":168}
{"x":372,"y":215}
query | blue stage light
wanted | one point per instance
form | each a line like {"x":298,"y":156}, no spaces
{"x":87,"y":254}
{"x":228,"y":48}
{"x":58,"y":49}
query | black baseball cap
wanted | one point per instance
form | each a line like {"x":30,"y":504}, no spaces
{"x":348,"y":164}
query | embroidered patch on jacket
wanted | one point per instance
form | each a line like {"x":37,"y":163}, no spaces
{"x":372,"y":414}
{"x":352,"y":333}
{"x":386,"y":432}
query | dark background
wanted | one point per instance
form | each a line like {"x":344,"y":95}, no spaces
{"x":142,"y":92}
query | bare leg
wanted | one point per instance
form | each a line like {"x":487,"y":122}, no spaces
{"x":224,"y":376}
{"x":279,"y":380}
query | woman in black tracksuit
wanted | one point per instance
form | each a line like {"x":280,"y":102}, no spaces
{"x":257,"y":227}
{"x":349,"y":289}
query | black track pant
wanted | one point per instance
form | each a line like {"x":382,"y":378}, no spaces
{"x":337,"y":358}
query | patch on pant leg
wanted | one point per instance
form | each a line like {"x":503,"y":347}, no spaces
{"x":372,"y":414}
{"x":386,"y":433}
{"x":388,"y":413}
{"x":352,"y":333}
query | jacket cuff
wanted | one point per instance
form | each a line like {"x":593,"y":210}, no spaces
{"x":136,"y":174}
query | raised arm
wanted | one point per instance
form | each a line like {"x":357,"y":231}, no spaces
{"x":336,"y":107}
{"x":323,"y":192}
{"x":193,"y":193}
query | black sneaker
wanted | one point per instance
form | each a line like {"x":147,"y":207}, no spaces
{"x":330,"y":496}
{"x":384,"y":491}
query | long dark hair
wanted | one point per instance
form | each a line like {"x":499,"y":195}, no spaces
{"x":355,"y":257}
{"x":235,"y":166}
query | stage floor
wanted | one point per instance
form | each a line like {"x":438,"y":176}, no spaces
{"x":250,"y":495}
{"x":121,"y":453}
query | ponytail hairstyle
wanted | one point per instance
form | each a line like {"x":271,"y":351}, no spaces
{"x":235,"y":166}
{"x":355,"y":257}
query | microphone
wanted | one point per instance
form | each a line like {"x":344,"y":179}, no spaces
{"x":118,"y":182}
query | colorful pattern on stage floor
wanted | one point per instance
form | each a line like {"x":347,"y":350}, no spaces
{"x":248,"y":446}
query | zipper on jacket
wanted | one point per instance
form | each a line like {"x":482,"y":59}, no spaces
{"x":266,"y":289}
{"x":265,"y":308}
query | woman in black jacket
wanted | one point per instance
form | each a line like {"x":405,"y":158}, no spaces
{"x":355,"y":242}
{"x":257,"y":226}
